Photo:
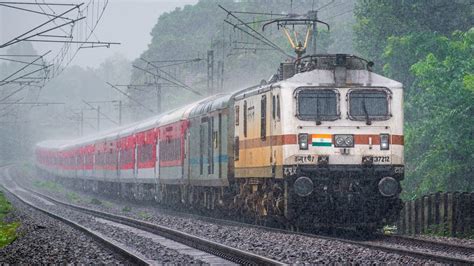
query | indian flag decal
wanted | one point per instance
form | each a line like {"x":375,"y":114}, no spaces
{"x":322,"y":140}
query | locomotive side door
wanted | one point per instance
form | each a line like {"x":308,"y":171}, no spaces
{"x":275,"y":130}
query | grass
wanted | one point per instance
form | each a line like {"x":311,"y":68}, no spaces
{"x":144,"y":215}
{"x":96,"y":201}
{"x":48,"y":185}
{"x":7,"y":230}
{"x":107,"y":204}
{"x":5,"y":206}
{"x":72,"y":196}
{"x":127,"y":209}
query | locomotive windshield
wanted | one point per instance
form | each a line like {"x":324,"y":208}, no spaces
{"x":368,"y":104}
{"x":319,"y":105}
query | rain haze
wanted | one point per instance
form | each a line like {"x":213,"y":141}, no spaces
{"x":253,"y":132}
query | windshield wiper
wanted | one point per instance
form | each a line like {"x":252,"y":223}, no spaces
{"x":367,"y":118}
{"x":318,"y":120}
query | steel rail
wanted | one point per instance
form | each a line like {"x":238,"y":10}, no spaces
{"x":226,"y":252}
{"x":135,"y":258}
{"x":363,"y":243}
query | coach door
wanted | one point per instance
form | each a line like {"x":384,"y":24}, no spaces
{"x":135,"y":161}
{"x":157,"y":162}
{"x":204,"y":166}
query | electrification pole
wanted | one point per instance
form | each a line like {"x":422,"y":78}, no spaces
{"x":158,"y":98}
{"x":98,"y":118}
{"x":314,"y":16}
{"x":210,"y":72}
{"x":220,"y":75}
{"x":120,"y":113}
{"x":82,"y":122}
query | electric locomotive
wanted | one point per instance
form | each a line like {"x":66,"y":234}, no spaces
{"x":332,"y":150}
{"x":318,"y":144}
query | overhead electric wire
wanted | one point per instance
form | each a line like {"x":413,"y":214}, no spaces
{"x":27,"y":74}
{"x":31,"y":3}
{"x":269,"y":42}
{"x":324,"y":6}
{"x":257,"y":38}
{"x":29,"y":10}
{"x":176,"y":82}
{"x":340,"y":14}
{"x":257,"y":13}
{"x":128,"y":96}
{"x":100,"y":112}
{"x":22,"y":68}
{"x":14,"y":40}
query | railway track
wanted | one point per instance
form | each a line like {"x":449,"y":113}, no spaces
{"x":226,"y":252}
{"x":404,"y":245}
{"x":409,"y":246}
{"x":112,"y":245}
{"x":425,"y":249}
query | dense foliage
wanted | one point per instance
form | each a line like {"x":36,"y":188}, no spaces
{"x":427,"y":45}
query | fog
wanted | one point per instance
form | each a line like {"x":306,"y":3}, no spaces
{"x":126,"y":21}
{"x":73,"y":83}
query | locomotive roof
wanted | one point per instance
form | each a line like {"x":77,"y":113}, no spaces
{"x":214,"y":103}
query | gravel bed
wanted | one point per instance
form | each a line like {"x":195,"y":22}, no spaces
{"x":426,"y":247}
{"x":44,"y":240}
{"x":449,"y":240}
{"x":151,"y":250}
{"x":289,"y":248}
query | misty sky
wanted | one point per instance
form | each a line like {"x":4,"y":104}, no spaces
{"x":126,"y":21}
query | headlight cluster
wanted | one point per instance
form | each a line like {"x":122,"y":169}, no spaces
{"x":344,"y":141}
{"x":303,"y":141}
{"x":384,"y":142}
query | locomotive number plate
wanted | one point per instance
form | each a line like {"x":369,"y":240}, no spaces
{"x":381,"y":159}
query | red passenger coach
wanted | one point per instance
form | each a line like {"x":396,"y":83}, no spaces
{"x":127,"y":152}
{"x":146,"y":147}
{"x":171,"y":144}
{"x":88,"y":152}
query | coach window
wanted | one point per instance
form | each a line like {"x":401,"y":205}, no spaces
{"x":245,"y":118}
{"x":263,"y":117}
{"x":201,"y":148}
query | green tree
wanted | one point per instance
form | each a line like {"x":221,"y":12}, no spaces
{"x":440,"y":136}
{"x":411,"y":41}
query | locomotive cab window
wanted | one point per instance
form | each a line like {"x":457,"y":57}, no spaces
{"x":368,"y":105}
{"x":317,"y":104}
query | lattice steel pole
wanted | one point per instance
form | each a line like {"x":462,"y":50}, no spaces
{"x":210,"y":72}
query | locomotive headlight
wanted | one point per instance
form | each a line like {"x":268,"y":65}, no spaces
{"x":384,"y":142}
{"x":303,"y":141}
{"x":343,"y":141}
{"x":388,"y":186}
{"x":303,"y":186}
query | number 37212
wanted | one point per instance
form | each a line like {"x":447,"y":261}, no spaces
{"x":381,"y":159}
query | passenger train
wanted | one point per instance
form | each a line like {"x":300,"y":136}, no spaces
{"x":319,"y":144}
